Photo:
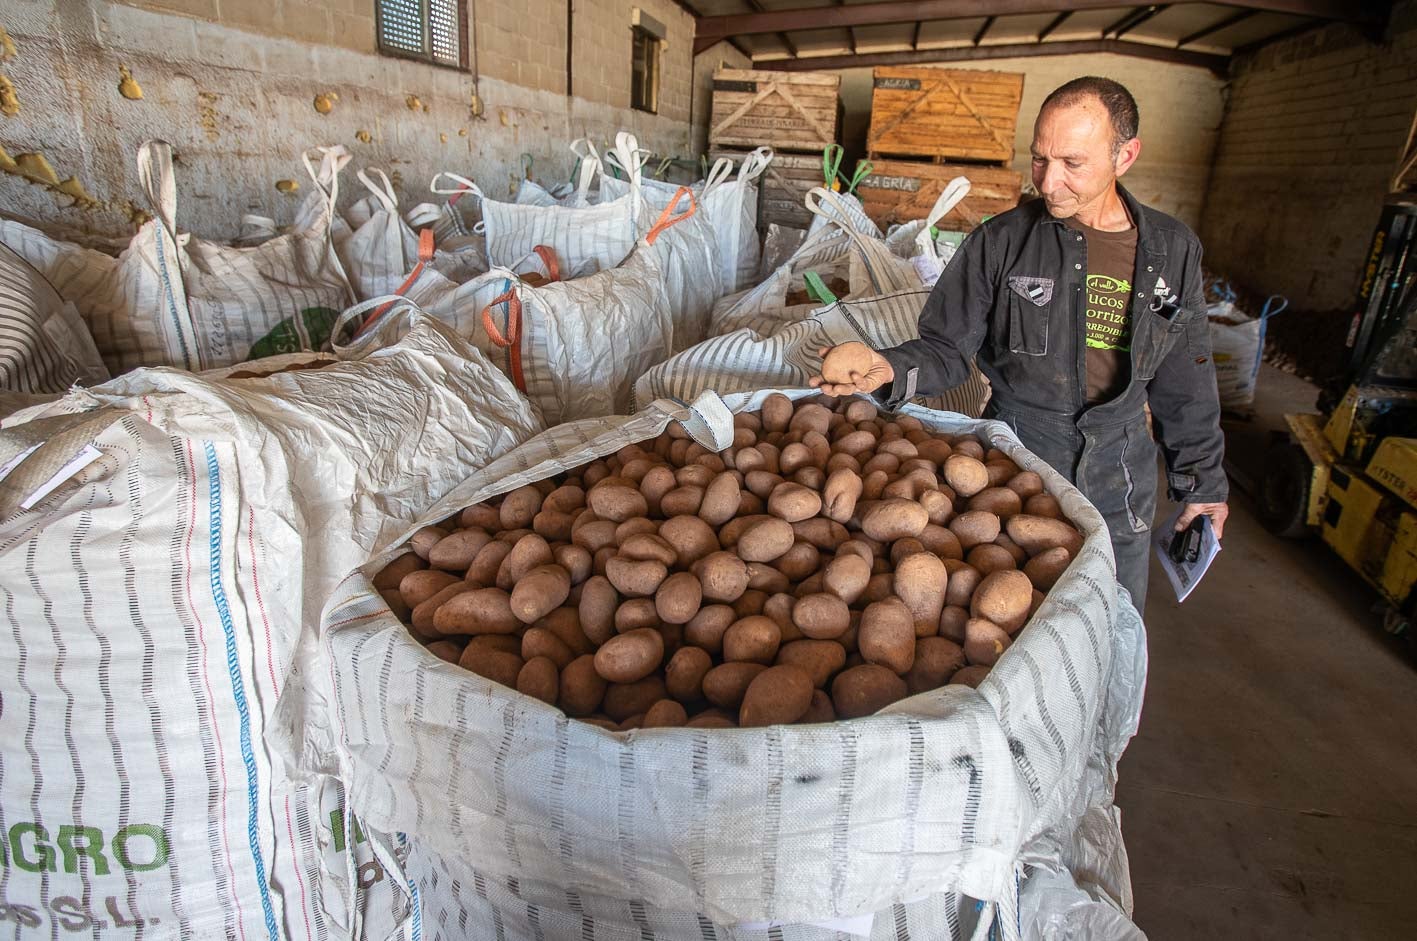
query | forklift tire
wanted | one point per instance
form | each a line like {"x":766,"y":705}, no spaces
{"x":1284,"y":491}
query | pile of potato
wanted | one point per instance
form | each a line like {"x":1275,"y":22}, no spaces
{"x":832,"y":561}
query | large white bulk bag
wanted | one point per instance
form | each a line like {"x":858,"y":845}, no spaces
{"x":164,"y":553}
{"x":733,"y":210}
{"x":177,"y":300}
{"x":524,"y":824}
{"x":45,"y":347}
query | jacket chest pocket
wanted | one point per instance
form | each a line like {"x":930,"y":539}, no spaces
{"x":1030,"y":302}
{"x":1153,"y":338}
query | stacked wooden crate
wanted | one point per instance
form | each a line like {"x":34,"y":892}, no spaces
{"x":930,"y":125}
{"x":797,"y":114}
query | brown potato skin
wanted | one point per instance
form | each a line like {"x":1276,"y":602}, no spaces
{"x":726,"y":684}
{"x":970,"y":676}
{"x":765,"y":540}
{"x":1043,"y":504}
{"x":392,"y":575}
{"x":678,"y":598}
{"x":821,"y":616}
{"x":975,"y":527}
{"x":847,"y":576}
{"x":418,"y":586}
{"x":754,"y":639}
{"x":779,"y":695}
{"x":581,"y":688}
{"x":539,"y":592}
{"x":479,"y":611}
{"x":821,"y":659}
{"x":630,"y":657}
{"x":820,"y":711}
{"x":887,"y":635}
{"x":920,"y":582}
{"x":1044,"y":569}
{"x":1003,"y":598}
{"x":936,"y":660}
{"x":723,"y":577}
{"x":864,"y":690}
{"x":952,"y":623}
{"x":1001,"y":501}
{"x":894,"y":518}
{"x":665,"y":714}
{"x":495,"y":665}
{"x":965,"y":474}
{"x":635,"y":579}
{"x":988,"y":558}
{"x":539,"y":679}
{"x":793,"y":502}
{"x":684,"y":674}
{"x":623,"y":700}
{"x":1036,"y":534}
{"x":984,"y":642}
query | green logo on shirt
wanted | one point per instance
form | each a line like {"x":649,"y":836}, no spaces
{"x":1107,"y":300}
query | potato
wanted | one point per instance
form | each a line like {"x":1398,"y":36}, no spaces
{"x":952,"y":622}
{"x":820,"y":711}
{"x":964,"y":578}
{"x":776,"y":412}
{"x":519,"y":508}
{"x":646,"y":547}
{"x":779,"y":695}
{"x":581,"y":688}
{"x":565,"y":623}
{"x":665,"y":714}
{"x":764,"y":577}
{"x":825,"y":534}
{"x":938,"y":507}
{"x":1043,"y":504}
{"x":576,"y":561}
{"x":684,"y":674}
{"x":965,"y":474}
{"x":706,"y":629}
{"x":634,"y":614}
{"x":984,"y":641}
{"x":396,"y":604}
{"x":691,"y":538}
{"x":636,"y":526}
{"x":859,"y":410}
{"x":879,"y":588}
{"x":840,"y":493}
{"x":617,"y":500}
{"x":990,"y":557}
{"x":418,"y":586}
{"x":970,"y":676}
{"x":623,"y":700}
{"x":793,"y":502}
{"x":749,"y":603}
{"x":968,"y":444}
{"x":595,"y":535}
{"x":1026,"y":484}
{"x":799,"y":562}
{"x":821,"y":616}
{"x":1044,"y":569}
{"x":628,"y":658}
{"x":902,"y":548}
{"x":726,"y":684}
{"x":481,"y":516}
{"x":720,"y":503}
{"x":887,"y":635}
{"x":539,"y":592}
{"x":846,"y":576}
{"x":479,"y":611}
{"x":540,"y":679}
{"x":423,"y":541}
{"x":494,"y":665}
{"x":733,"y":530}
{"x":864,"y":690}
{"x":821,"y":659}
{"x":598,"y":603}
{"x":892,"y":519}
{"x":421,"y":617}
{"x":975,"y":527}
{"x":1001,"y":501}
{"x":711,"y":719}
{"x":935,"y":450}
{"x":1004,"y":598}
{"x":635,"y":579}
{"x":765,"y":540}
{"x":504,"y":643}
{"x":567,"y":498}
{"x":754,"y":639}
{"x":1012,"y":548}
{"x":678,"y":598}
{"x":527,"y":553}
{"x":746,"y":458}
{"x":862,"y":546}
{"x":920,"y":581}
{"x":445,"y":650}
{"x":761,"y":483}
{"x":553,"y":526}
{"x":682,"y":501}
{"x":936,"y":660}
{"x":854,"y":442}
{"x":941,"y":541}
{"x":695,"y":475}
{"x":1037,"y":534}
{"x":723,"y":577}
{"x":392,"y":575}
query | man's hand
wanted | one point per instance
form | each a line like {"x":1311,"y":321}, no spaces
{"x":1216,"y":511}
{"x":851,"y":367}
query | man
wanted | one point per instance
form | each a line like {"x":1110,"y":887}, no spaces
{"x":1081,"y":308}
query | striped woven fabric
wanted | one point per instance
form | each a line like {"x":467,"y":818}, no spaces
{"x":44,"y":346}
{"x":522,"y":824}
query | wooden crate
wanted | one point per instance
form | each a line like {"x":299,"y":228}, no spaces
{"x":783,"y":186}
{"x":957,"y":114}
{"x":903,"y":191}
{"x":784,"y":110}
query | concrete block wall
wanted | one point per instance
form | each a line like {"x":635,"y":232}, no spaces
{"x":720,"y":56}
{"x":236,"y":96}
{"x":1312,"y":135}
{"x":1181,"y":108}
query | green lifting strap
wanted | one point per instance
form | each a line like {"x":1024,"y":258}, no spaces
{"x":817,"y":289}
{"x":863,"y":170}
{"x":832,"y":155}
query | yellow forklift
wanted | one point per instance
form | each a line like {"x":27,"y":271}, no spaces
{"x":1350,"y":473}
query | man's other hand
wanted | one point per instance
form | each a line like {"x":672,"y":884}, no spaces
{"x":1216,"y":511}
{"x":851,"y":367}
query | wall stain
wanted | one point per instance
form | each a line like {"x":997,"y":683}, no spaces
{"x":325,"y":102}
{"x":37,"y":169}
{"x":443,"y":138}
{"x":363,"y":136}
{"x":9,"y":99}
{"x":396,"y":178}
{"x":128,"y":86}
{"x":7,"y":46}
{"x":462,"y":132}
{"x":413,"y":103}
{"x":207,"y":115}
{"x":287,"y":186}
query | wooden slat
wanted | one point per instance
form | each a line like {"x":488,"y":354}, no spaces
{"x":791,"y":110}
{"x":902,"y":191}
{"x":950,"y":113}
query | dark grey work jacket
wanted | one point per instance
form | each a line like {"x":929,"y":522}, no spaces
{"x":1013,"y":296}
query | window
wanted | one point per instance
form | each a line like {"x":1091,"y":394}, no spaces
{"x":644,"y":71}
{"x":427,"y":30}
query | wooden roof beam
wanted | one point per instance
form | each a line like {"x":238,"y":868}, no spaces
{"x":1214,"y":63}
{"x":1216,"y":27}
{"x":979,"y":36}
{"x":1058,"y":20}
{"x":1132,"y":20}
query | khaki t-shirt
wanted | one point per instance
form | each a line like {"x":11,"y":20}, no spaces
{"x":1111,"y":261}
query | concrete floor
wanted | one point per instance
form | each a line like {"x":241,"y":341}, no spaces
{"x":1272,"y":789}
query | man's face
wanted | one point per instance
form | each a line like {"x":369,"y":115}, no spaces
{"x":1073,"y":165}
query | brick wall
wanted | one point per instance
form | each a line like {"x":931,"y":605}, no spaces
{"x":1312,"y":135}
{"x":1180,"y":107}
